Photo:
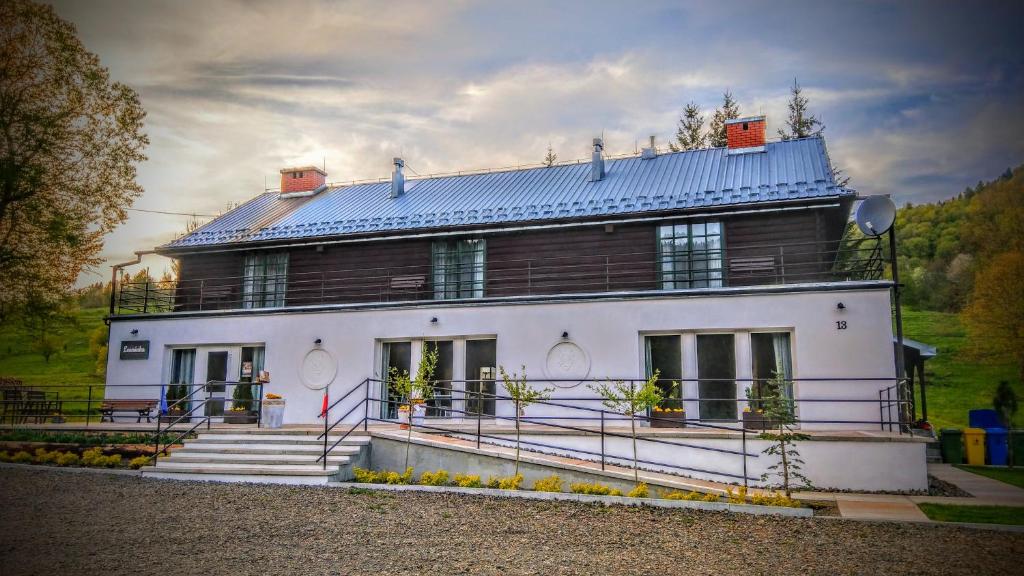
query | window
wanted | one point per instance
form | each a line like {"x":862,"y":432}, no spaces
{"x":690,"y":255}
{"x":771,"y":356}
{"x":480,"y":375}
{"x":439,"y":403}
{"x":183,"y":363}
{"x":395,"y":357}
{"x":458,"y":268}
{"x":664,"y":354}
{"x":265,"y":276}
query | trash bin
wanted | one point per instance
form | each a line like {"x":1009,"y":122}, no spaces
{"x":995,"y":446}
{"x":974,"y":446}
{"x":1016,"y":447}
{"x":952,"y":445}
{"x":983,"y":418}
{"x":273,"y":413}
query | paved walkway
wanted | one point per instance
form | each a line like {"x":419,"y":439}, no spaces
{"x":985,"y":490}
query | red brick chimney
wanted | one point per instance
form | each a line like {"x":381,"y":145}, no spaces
{"x":302,"y":179}
{"x":745,"y":134}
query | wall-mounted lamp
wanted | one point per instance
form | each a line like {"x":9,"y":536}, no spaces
{"x":841,"y":306}
{"x":135,"y":331}
{"x":565,"y":335}
{"x":433,"y":320}
{"x":318,"y":341}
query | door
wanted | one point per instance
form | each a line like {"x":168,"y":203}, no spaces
{"x":480,"y":373}
{"x":396,"y":357}
{"x":716,"y":376}
{"x":216,"y":371}
{"x":440,"y":402}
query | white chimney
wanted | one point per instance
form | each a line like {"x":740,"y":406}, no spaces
{"x":597,"y":161}
{"x":398,"y":179}
{"x":650,"y":152}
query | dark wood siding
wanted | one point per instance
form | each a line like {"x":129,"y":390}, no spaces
{"x":769,"y":248}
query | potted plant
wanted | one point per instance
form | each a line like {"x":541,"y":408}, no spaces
{"x":669,"y":413}
{"x":175,"y":409}
{"x":403,"y":416}
{"x":241,"y":411}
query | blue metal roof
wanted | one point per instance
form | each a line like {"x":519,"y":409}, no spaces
{"x":680,"y":181}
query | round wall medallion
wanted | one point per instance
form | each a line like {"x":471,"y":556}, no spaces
{"x":318,"y":369}
{"x":567,"y":364}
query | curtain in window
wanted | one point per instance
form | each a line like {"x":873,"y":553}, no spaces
{"x":183,"y":366}
{"x":458,"y":268}
{"x":783,"y":360}
{"x":264,"y":279}
{"x":690,"y":255}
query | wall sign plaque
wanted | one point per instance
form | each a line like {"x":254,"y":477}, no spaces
{"x":134,"y":350}
{"x":567,"y":364}
{"x":318,"y":369}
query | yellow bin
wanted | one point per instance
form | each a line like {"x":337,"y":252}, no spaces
{"x":974,"y":442}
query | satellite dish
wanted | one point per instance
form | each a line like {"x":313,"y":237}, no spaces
{"x":875,"y":215}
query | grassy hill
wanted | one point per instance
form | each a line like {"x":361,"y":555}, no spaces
{"x":956,"y":383}
{"x":71,"y":365}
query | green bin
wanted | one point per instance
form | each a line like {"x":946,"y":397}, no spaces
{"x":1017,"y":447}
{"x":952,"y":445}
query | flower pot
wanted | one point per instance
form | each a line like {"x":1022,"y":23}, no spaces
{"x":173,"y":416}
{"x":273,"y":412}
{"x":403,"y":419}
{"x":668,"y":419}
{"x":419,"y":411}
{"x":239,"y":417}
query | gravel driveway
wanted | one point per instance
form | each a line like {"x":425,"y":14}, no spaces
{"x":54,"y":522}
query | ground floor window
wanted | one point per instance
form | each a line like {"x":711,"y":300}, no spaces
{"x":439,"y":404}
{"x":183,"y":365}
{"x":481,"y":368}
{"x":664,"y":354}
{"x":770,"y":356}
{"x":396,"y":359}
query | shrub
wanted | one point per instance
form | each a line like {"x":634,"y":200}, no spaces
{"x":550,"y":484}
{"x":93,"y":457}
{"x":594,"y":489}
{"x":506,"y":483}
{"x":640,"y":491}
{"x":138,"y":462}
{"x":364,"y":476}
{"x":4,"y":456}
{"x":710,"y":498}
{"x":112,"y":461}
{"x":776,"y":499}
{"x":738,"y":497}
{"x":22,"y":457}
{"x":69,"y":459}
{"x":679,"y":495}
{"x":468,"y":481}
{"x":439,"y":478}
{"x":44,"y":457}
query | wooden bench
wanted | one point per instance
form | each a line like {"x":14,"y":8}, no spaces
{"x":139,"y":407}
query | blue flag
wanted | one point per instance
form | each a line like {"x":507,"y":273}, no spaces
{"x":163,"y":400}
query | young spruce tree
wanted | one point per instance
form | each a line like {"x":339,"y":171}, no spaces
{"x":730,"y":110}
{"x":690,"y":133}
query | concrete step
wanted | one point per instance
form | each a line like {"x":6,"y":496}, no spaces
{"x":263,"y":448}
{"x":243,"y":458}
{"x":340,"y":429}
{"x":232,"y":468}
{"x":294,"y":439}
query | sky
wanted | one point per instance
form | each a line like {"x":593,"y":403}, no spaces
{"x":919,"y":99}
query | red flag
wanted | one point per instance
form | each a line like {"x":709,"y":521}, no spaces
{"x":323,"y":410}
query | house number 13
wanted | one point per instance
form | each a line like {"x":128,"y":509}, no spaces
{"x":840,"y":324}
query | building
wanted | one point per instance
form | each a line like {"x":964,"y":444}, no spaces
{"x":719,"y":268}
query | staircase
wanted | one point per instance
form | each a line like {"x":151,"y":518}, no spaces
{"x":284,"y":456}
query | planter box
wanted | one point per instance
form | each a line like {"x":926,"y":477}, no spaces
{"x":757,"y":421}
{"x":235,"y":417}
{"x":668,"y":419}
{"x":173,"y":416}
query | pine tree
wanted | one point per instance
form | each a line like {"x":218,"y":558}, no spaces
{"x":690,"y":133}
{"x":800,"y":123}
{"x":730,"y":110}
{"x":550,"y":157}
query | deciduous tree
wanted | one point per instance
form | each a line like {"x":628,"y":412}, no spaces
{"x":70,"y":140}
{"x":994,"y":317}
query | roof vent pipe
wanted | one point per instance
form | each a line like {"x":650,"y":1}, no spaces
{"x":649,"y":153}
{"x":398,"y":179}
{"x":597,"y":161}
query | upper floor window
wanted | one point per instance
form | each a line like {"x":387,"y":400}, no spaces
{"x":690,"y":255}
{"x":265,"y":276}
{"x":458,"y":268}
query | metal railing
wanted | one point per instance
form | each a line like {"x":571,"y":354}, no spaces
{"x":758,"y":265}
{"x":574,"y":414}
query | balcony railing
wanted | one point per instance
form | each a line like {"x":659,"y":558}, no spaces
{"x":756,"y":265}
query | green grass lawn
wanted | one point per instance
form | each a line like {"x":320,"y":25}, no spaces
{"x":1014,"y":476}
{"x":974,"y":514}
{"x":71,"y":365}
{"x":956,"y":383}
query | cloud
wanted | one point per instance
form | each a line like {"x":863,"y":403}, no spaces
{"x":919,"y":99}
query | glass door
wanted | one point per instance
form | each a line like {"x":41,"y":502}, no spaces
{"x":480,"y":374}
{"x":664,"y":355}
{"x":439,"y":404}
{"x":716,"y":376}
{"x":395,"y":357}
{"x":216,"y":375}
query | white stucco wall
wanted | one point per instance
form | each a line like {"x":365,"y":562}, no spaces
{"x":609,"y":330}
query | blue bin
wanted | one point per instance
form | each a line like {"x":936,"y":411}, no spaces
{"x":984,"y":419}
{"x":996,"y":446}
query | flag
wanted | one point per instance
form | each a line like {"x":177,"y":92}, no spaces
{"x":163,"y":400}
{"x":323,"y":409}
